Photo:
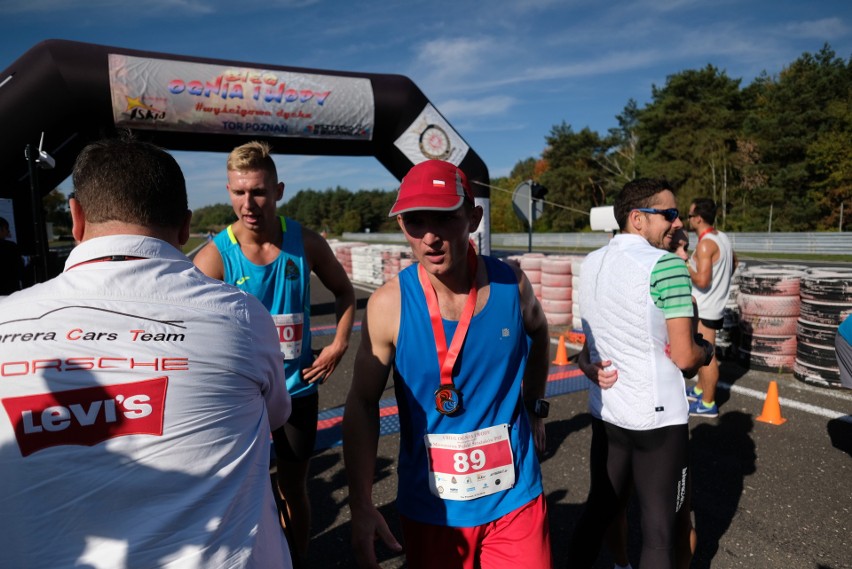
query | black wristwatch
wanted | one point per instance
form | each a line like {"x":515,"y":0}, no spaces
{"x":540,"y":408}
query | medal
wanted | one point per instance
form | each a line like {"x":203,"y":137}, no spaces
{"x":448,"y":399}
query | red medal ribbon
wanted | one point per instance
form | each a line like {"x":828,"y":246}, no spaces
{"x":705,"y":232}
{"x":447,"y":357}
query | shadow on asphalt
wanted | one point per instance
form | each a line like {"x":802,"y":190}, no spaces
{"x":722,"y":455}
{"x":840,"y":433}
{"x":330,"y":544}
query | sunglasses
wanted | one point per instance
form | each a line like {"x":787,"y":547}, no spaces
{"x":670,"y":214}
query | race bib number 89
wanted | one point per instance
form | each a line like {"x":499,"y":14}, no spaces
{"x":470,"y":465}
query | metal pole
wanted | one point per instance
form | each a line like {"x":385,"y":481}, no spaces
{"x":40,"y":268}
{"x":770,"y":219}
{"x":530,"y":216}
{"x":840,"y":228}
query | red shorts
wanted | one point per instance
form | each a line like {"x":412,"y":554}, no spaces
{"x":521,"y":538}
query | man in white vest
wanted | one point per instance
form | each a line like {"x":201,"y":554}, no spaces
{"x":638,"y":310}
{"x":710,"y":268}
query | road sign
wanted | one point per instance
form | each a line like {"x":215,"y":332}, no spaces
{"x":526,"y":207}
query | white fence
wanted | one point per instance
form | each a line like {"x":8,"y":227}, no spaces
{"x":816,"y":243}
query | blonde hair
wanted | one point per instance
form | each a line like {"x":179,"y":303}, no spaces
{"x":254,"y":155}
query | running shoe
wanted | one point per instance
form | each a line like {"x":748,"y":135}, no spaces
{"x":697,"y":409}
{"x":690,"y":393}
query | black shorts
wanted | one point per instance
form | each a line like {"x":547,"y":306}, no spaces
{"x":300,"y":430}
{"x":713,"y":324}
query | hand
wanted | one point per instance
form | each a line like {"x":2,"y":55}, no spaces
{"x":324,"y":364}
{"x":601,"y":373}
{"x":368,"y":526}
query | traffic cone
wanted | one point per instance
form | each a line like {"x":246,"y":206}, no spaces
{"x":561,"y":353}
{"x":771,"y":408}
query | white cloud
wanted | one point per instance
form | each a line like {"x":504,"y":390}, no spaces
{"x":826,"y":28}
{"x":482,"y":107}
{"x":444,"y":61}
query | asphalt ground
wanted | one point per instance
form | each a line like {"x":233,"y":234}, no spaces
{"x":764,"y":496}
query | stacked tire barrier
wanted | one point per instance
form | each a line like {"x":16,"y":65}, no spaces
{"x":343,"y":252}
{"x":826,"y":299}
{"x":377,"y":264}
{"x":556,"y":299}
{"x":769,"y":304}
{"x":554,"y":280}
{"x":576,"y":311}
{"x":728,"y":338}
{"x":530,"y":263}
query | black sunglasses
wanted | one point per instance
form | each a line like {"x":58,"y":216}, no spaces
{"x":670,"y":214}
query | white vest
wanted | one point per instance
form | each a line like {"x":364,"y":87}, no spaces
{"x":622,"y":324}
{"x":711,"y":300}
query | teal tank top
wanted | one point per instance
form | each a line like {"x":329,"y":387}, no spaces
{"x":284,"y":288}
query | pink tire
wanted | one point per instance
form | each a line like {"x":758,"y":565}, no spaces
{"x":559,"y":318}
{"x":768,"y":305}
{"x":556,"y":265}
{"x":554,"y":306}
{"x":532,"y":261}
{"x":771,"y":280}
{"x":556,"y":292}
{"x":769,"y":362}
{"x":768,"y":325}
{"x":779,"y":345}
{"x":555,"y":279}
{"x":534,"y":275}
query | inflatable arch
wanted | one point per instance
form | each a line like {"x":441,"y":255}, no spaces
{"x":61,"y":95}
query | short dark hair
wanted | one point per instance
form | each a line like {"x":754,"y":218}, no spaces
{"x":635,"y":194}
{"x":127,"y":180}
{"x":706,"y":208}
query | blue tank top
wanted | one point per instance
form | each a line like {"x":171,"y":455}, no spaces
{"x":284,"y":288}
{"x":489,"y":372}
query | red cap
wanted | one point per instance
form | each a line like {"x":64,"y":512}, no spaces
{"x":432,"y":185}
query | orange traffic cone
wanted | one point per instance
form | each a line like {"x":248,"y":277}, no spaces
{"x":561,"y":353}
{"x":771,"y":408}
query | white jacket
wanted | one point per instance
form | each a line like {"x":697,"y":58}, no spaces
{"x":135,"y":431}
{"x":622,"y":324}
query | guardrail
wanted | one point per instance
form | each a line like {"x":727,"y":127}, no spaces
{"x":810,"y":242}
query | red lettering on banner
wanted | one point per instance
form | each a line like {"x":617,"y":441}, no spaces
{"x":472,"y":459}
{"x":87,"y":416}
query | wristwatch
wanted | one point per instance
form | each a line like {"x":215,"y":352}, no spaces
{"x":540,"y":408}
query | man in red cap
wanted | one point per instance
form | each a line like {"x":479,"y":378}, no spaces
{"x":467,"y":342}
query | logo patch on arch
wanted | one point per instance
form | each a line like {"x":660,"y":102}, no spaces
{"x":291,"y":271}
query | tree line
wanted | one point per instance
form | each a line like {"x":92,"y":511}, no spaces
{"x":775,"y":151}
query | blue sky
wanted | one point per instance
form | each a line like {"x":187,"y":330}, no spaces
{"x":502,"y":72}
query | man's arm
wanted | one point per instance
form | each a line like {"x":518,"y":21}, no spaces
{"x":535,"y":374}
{"x":361,"y":422}
{"x":596,"y":371}
{"x":687,"y":353}
{"x":328,"y":269}
{"x":702,"y":274}
{"x":209,"y":262}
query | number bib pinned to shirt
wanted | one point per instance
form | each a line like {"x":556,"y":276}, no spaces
{"x":290,"y":327}
{"x":470,"y":465}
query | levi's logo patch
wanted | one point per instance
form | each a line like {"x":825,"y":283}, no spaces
{"x":87,"y":416}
